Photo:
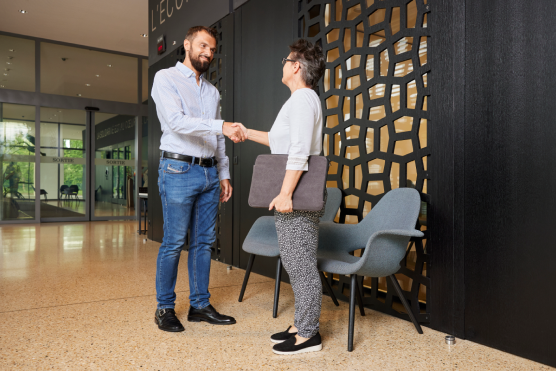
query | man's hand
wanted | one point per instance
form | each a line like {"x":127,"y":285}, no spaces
{"x":226,"y":192}
{"x":243,"y":128}
{"x":235,"y":133}
{"x":282,"y":203}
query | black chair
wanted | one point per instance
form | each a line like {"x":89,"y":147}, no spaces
{"x":72,"y":190}
{"x":45,"y":193}
{"x":63,"y":191}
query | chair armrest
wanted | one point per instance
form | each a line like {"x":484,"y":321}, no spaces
{"x":384,"y":251}
{"x":401,"y":232}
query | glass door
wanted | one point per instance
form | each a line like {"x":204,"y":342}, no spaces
{"x":114,"y":176}
{"x":17,"y":163}
{"x":63,"y":164}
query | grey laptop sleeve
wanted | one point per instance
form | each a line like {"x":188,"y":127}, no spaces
{"x":268,"y":175}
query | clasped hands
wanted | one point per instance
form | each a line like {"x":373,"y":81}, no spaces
{"x":235,"y":131}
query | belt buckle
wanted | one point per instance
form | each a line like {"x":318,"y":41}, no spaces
{"x":204,"y":162}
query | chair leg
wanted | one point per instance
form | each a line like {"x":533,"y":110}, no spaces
{"x":396,"y":285}
{"x":246,"y":278}
{"x":328,"y":288}
{"x":351,"y":311}
{"x":277,"y":288}
{"x":359,"y":298}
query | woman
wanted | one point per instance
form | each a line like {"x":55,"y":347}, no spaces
{"x":297,"y":132}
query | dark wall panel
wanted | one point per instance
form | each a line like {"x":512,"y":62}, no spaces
{"x":264,"y":29}
{"x":172,"y":19}
{"x":510,"y":177}
{"x":445,"y":213}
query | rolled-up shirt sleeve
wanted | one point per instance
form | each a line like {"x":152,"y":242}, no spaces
{"x":169,"y":106}
{"x":302,"y":119}
{"x":223,"y":160}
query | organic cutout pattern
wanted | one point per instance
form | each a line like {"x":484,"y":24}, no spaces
{"x":376,"y":121}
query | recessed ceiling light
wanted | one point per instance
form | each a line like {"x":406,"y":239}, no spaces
{"x":5,"y":74}
{"x":78,"y":95}
{"x":98,"y":75}
{"x":10,"y":57}
{"x":144,"y":35}
{"x":11,"y":50}
{"x":22,"y":11}
{"x":6,"y":69}
{"x":87,"y":84}
{"x":60,"y":111}
{"x":109,"y":65}
{"x":8,"y":62}
{"x":2,"y":86}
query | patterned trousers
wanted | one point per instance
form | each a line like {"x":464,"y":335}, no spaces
{"x":298,"y":238}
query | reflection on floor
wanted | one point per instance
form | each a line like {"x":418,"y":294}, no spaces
{"x":82,"y":296}
{"x":76,"y":208}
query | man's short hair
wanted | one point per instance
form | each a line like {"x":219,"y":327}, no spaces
{"x":192,"y":33}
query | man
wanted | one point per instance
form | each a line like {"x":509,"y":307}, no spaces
{"x":192,"y":177}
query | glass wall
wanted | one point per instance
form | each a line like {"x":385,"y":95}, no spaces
{"x":17,"y":162}
{"x":63,"y":176}
{"x":69,"y":74}
{"x":114,"y":153}
{"x":77,"y":72}
{"x":17,"y":59}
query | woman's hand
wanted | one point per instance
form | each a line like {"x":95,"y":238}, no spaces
{"x":282,"y":203}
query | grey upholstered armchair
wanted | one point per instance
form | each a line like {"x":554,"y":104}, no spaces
{"x":384,"y":234}
{"x":262,"y":239}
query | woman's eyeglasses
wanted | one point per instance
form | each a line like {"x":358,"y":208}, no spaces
{"x":284,"y":60}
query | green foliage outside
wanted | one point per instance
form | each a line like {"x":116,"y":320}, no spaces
{"x":21,"y":144}
{"x":73,"y":173}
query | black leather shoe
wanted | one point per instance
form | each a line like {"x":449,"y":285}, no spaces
{"x":210,"y":315}
{"x":167,"y":321}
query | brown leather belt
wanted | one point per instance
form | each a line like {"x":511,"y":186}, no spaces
{"x":204,"y":162}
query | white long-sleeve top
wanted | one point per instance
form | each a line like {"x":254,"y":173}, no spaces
{"x":297,"y":130}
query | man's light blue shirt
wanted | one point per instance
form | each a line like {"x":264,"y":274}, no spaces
{"x":189,"y":116}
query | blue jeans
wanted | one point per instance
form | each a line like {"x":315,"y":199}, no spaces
{"x":190,"y":196}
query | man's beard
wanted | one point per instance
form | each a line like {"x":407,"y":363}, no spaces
{"x":198,"y":64}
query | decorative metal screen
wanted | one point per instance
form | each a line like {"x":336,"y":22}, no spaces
{"x":374,"y":96}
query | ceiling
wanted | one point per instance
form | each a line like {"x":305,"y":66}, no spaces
{"x":106,"y":24}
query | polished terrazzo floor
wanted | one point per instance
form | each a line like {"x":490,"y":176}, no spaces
{"x":81,"y":296}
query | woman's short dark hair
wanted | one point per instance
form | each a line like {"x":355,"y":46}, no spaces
{"x":310,"y":57}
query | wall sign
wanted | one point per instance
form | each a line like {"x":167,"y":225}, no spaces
{"x":173,"y":18}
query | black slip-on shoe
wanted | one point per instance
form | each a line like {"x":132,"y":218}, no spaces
{"x":314,"y":344}
{"x":167,"y":321}
{"x":210,"y":315}
{"x":280,"y":337}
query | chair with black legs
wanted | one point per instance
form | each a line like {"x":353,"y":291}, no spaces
{"x":262,"y":239}
{"x":63,"y":191}
{"x":384,"y":234}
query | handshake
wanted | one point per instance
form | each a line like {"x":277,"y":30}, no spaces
{"x":235,"y":131}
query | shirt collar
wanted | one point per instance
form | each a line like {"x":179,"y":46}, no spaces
{"x":188,"y":72}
